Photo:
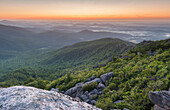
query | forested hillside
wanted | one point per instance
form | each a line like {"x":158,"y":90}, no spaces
{"x":85,"y":54}
{"x":51,"y":65}
{"x":142,"y":69}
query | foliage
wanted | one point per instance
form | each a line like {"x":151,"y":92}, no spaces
{"x":90,"y":87}
{"x":135,"y":74}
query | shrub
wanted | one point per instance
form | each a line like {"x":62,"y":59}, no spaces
{"x":90,"y":87}
{"x":112,"y":86}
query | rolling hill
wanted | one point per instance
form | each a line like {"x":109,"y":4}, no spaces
{"x":88,"y":51}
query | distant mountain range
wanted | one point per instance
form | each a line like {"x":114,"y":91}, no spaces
{"x":15,"y":37}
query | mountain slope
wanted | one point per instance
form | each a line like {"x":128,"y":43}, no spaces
{"x":142,"y":69}
{"x":86,"y":53}
{"x":51,"y":65}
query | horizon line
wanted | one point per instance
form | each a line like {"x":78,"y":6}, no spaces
{"x":82,"y":18}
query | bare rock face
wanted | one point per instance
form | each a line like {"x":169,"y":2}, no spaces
{"x":161,"y":99}
{"x":30,"y":98}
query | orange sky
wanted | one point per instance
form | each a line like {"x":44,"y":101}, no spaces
{"x":84,"y":9}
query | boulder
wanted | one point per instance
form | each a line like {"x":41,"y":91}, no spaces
{"x":100,"y":92}
{"x":62,"y":92}
{"x":118,"y":101}
{"x":106,"y":77}
{"x":125,"y":109}
{"x":56,"y":90}
{"x":101,"y":86}
{"x":93,"y":102}
{"x":94,"y":80}
{"x":91,"y":78}
{"x":84,"y":97}
{"x":161,"y":99}
{"x":74,"y":90}
{"x":95,"y":91}
{"x":86,"y":93}
{"x":79,"y":93}
{"x":30,"y":98}
{"x":90,"y":96}
{"x":156,"y":107}
{"x":79,"y":84}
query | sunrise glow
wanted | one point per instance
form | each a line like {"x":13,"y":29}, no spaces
{"x":84,"y":9}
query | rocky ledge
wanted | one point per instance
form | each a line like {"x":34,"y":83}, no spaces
{"x":30,"y":98}
{"x":161,"y":99}
{"x":90,"y":96}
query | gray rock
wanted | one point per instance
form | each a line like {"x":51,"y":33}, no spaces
{"x":95,"y":91}
{"x":118,"y":101}
{"x":156,"y":107}
{"x":161,"y":99}
{"x":90,"y":96}
{"x":91,"y":78}
{"x":100,"y":92}
{"x":106,"y":77}
{"x":55,"y":90}
{"x":93,"y":102}
{"x":84,"y":97}
{"x":101,"y":86}
{"x":125,"y":109}
{"x":79,"y":84}
{"x":30,"y":98}
{"x":86,"y":93}
{"x":94,"y":80}
{"x":73,"y":91}
{"x":79,"y":93}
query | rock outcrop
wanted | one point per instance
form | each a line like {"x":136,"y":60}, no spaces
{"x":90,"y":96}
{"x":161,"y":99}
{"x":30,"y":98}
{"x":106,"y":77}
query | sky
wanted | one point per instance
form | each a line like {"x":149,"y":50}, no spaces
{"x":84,"y":9}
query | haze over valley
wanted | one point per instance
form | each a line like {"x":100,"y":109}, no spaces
{"x":130,"y":30}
